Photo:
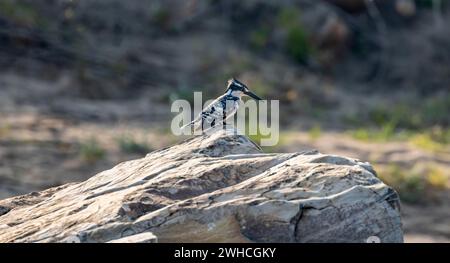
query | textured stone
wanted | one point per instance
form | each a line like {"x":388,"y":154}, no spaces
{"x":145,"y":237}
{"x":215,"y":188}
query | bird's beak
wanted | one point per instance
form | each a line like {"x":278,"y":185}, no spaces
{"x":253,"y":95}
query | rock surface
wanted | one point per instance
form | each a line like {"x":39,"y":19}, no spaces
{"x":215,"y":188}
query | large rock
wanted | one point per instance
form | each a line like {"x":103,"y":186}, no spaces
{"x":214,"y":188}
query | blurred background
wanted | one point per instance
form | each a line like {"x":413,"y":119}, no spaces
{"x":85,"y":85}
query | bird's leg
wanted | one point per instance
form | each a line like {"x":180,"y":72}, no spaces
{"x":224,"y":121}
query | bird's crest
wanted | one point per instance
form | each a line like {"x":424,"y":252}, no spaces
{"x":237,"y":88}
{"x":235,"y":84}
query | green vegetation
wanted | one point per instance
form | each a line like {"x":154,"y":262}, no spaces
{"x":294,"y":36}
{"x":296,"y":43}
{"x":406,"y":115}
{"x":385,"y":133}
{"x":128,"y":144}
{"x":161,"y":18}
{"x":430,"y":3}
{"x":361,"y":134}
{"x":21,"y":13}
{"x":287,"y":16}
{"x":424,"y":125}
{"x":411,"y":187}
{"x":436,"y":110}
{"x":315,"y":132}
{"x":398,"y":116}
{"x":119,"y":68}
{"x":414,"y":185}
{"x":433,"y":140}
{"x":91,"y":151}
{"x":260,"y":37}
{"x":437,"y":178}
{"x":5,"y":129}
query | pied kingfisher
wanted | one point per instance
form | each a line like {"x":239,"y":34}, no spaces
{"x":224,"y":107}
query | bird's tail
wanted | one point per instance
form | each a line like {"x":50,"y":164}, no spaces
{"x":190,"y":124}
{"x":187,"y":125}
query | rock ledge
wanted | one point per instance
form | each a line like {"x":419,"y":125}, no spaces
{"x":215,"y":188}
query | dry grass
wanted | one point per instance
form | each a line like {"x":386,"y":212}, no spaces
{"x":420,"y":184}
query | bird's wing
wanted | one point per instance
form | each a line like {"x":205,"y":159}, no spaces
{"x":209,"y":113}
{"x":213,"y":111}
{"x":216,"y":111}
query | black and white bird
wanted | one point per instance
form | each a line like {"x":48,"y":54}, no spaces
{"x":224,"y":107}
